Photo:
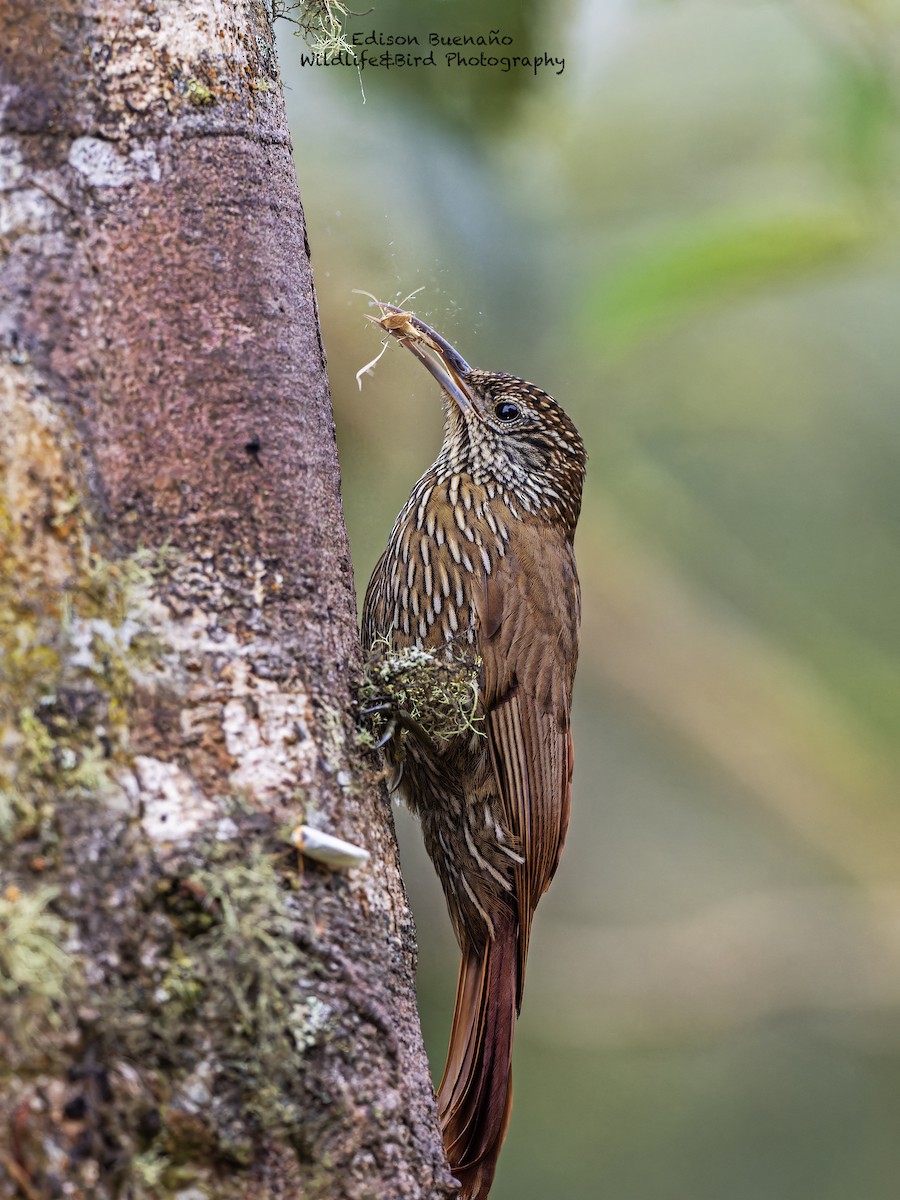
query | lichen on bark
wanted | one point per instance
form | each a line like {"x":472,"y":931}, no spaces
{"x":166,"y":997}
{"x":85,"y":640}
{"x":187,"y":1008}
{"x":67,"y":643}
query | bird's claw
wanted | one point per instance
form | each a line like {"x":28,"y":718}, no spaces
{"x":395,"y":717}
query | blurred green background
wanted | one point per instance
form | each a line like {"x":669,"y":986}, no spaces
{"x":690,"y":237}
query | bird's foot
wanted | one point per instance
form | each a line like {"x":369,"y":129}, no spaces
{"x":396,"y":719}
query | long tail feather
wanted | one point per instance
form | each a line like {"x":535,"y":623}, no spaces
{"x":475,"y":1096}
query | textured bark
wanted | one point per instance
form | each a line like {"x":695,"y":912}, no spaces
{"x":185,"y":1007}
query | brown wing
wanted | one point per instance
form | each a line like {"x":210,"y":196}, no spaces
{"x":528,"y":614}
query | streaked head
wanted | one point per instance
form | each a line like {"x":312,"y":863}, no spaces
{"x":500,"y":429}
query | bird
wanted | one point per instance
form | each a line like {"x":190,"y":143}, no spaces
{"x":480,"y":562}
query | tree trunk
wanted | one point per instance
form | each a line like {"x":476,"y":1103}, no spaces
{"x":187,"y":1007}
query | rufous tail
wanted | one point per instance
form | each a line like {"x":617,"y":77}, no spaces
{"x":475,"y":1096}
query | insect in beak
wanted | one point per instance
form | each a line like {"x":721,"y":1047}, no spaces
{"x":444,"y":362}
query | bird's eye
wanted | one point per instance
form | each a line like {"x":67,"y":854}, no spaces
{"x":505,"y":411}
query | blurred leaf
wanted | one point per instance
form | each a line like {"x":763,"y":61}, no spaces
{"x":698,"y":267}
{"x":865,"y":117}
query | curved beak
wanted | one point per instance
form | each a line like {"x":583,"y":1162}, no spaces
{"x":445,"y":363}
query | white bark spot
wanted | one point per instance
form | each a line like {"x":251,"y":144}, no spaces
{"x":193,"y":27}
{"x":145,"y":162}
{"x":12,"y":167}
{"x":23,"y":209}
{"x":268,"y":732}
{"x":226,"y":830}
{"x":100,"y":162}
{"x":174,"y":807}
{"x":102,"y":165}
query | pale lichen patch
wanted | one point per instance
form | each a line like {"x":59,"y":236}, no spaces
{"x":190,"y":52}
{"x":208,"y":23}
{"x":174,"y":808}
{"x":101,"y":164}
{"x":268,"y":732}
{"x":207,"y":671}
{"x":34,"y":966}
{"x":25,"y":207}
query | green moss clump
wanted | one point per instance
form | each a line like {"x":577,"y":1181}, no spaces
{"x":199,"y":93}
{"x":72,"y":639}
{"x":437,"y":689}
{"x":148,"y":1173}
{"x":197,"y":1006}
{"x":68,"y":662}
{"x":234,"y":980}
{"x":252,"y":970}
{"x":35,"y":970}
